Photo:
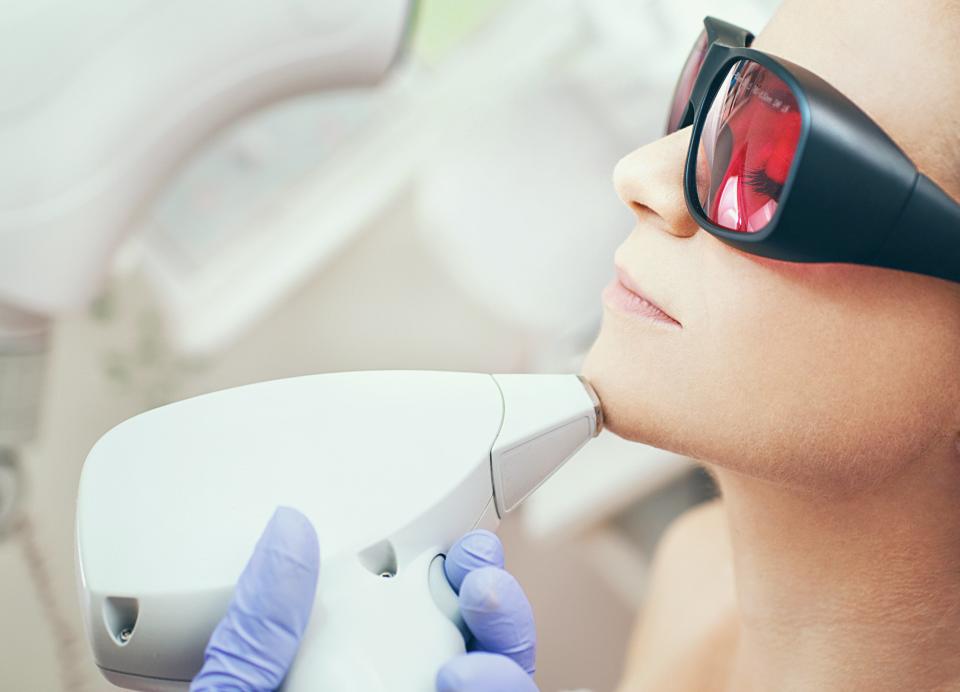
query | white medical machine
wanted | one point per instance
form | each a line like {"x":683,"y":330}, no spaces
{"x":100,"y":102}
{"x":391,"y":467}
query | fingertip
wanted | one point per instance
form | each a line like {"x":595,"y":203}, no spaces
{"x":290,"y":531}
{"x":449,"y":678}
{"x":498,"y":614}
{"x":291,"y":518}
{"x":484,"y":589}
{"x":475,"y":550}
{"x":281,"y":577}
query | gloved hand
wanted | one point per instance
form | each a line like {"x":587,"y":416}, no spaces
{"x":254,"y":645}
{"x":503,"y":648}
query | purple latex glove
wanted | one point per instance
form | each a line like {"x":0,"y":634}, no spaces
{"x":494,"y":607}
{"x":255,"y":643}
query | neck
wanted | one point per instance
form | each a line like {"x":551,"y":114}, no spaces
{"x":854,"y":592}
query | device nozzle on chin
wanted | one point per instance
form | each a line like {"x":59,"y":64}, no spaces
{"x":546,"y":419}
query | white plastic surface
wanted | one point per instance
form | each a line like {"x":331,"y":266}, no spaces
{"x":171,"y":503}
{"x":99,"y":101}
{"x":527,"y":452}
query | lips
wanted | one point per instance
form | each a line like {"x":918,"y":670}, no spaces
{"x":623,"y":294}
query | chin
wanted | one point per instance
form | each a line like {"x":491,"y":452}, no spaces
{"x":652,"y":392}
{"x":635,"y":377}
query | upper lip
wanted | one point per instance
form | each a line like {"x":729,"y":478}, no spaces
{"x":624,"y":278}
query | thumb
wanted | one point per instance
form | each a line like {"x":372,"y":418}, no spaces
{"x":255,"y":643}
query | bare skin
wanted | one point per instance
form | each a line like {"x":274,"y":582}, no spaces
{"x":824,"y":398}
{"x":687,"y":637}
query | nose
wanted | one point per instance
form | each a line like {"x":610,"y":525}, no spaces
{"x":650,"y":179}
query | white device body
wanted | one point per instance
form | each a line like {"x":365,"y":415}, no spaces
{"x":100,"y":100}
{"x":390,"y":467}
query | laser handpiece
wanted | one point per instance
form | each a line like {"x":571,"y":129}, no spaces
{"x":391,"y":468}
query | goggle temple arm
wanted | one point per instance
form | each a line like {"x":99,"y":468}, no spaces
{"x":926,"y":236}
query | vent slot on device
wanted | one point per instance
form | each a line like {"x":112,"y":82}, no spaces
{"x":381,"y":559}
{"x":120,"y":616}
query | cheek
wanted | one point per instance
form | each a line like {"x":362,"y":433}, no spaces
{"x":798,"y":373}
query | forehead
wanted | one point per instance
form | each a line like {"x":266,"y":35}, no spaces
{"x":895,"y":60}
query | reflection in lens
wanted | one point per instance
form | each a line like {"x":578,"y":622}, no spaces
{"x":747,"y":145}
{"x":688,"y":77}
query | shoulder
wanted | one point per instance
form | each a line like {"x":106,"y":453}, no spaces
{"x":692,"y":570}
{"x":698,"y":537}
{"x":688,"y":613}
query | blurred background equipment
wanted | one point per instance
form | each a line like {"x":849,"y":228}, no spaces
{"x":99,"y":104}
{"x":456,"y":216}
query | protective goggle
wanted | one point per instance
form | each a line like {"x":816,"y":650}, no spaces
{"x":781,"y":164}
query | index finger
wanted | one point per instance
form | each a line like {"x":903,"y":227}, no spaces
{"x":479,"y":548}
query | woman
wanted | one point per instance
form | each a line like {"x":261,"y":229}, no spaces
{"x":823,"y":397}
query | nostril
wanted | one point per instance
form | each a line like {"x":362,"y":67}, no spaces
{"x":648,"y":216}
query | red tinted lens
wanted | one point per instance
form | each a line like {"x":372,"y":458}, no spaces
{"x":688,"y":77}
{"x":747,"y":145}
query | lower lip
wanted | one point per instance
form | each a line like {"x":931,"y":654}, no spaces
{"x":618,"y":296}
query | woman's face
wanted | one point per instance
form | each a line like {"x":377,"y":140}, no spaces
{"x":820,"y":376}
